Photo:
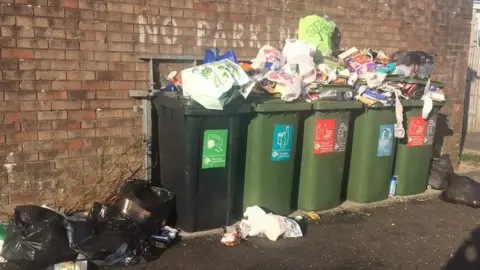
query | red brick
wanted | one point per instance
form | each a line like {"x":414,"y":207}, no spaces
{"x":109,"y":16}
{"x":32,"y":43}
{"x":36,"y":126}
{"x":37,"y":146}
{"x":93,"y":46}
{"x":108,"y":75}
{"x":122,"y":85}
{"x":66,"y":85}
{"x":75,"y":34}
{"x":122,"y":66}
{"x":20,"y":116}
{"x":43,"y":11}
{"x":95,"y":85}
{"x":108,"y":56}
{"x":80,"y":75}
{"x":7,"y":20}
{"x":17,"y":10}
{"x":36,"y":85}
{"x":51,"y":75}
{"x":69,"y":144}
{"x":19,"y":75}
{"x":82,"y":115}
{"x":94,"y":65}
{"x":52,"y":135}
{"x":20,"y":95}
{"x":66,"y":124}
{"x":10,"y":128}
{"x":17,"y":53}
{"x":63,"y":23}
{"x":8,"y":64}
{"x":10,"y":86}
{"x":65,"y":65}
{"x":80,"y":133}
{"x":64,"y":44}
{"x":6,"y":42}
{"x":49,"y":54}
{"x":52,"y":95}
{"x":93,"y":25}
{"x":16,"y":31}
{"x":80,"y":55}
{"x":24,"y":197}
{"x":120,"y":47}
{"x":22,"y":136}
{"x":69,"y":3}
{"x":95,"y":104}
{"x":66,"y":105}
{"x":109,"y":113}
{"x":49,"y":33}
{"x":52,"y":115}
{"x":52,"y":154}
{"x":107,"y":132}
{"x":80,"y":14}
{"x":34,"y":65}
{"x":112,"y":94}
{"x":122,"y":104}
{"x":81,"y":95}
{"x":36,"y":105}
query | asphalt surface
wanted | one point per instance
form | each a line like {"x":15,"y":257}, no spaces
{"x":414,"y":235}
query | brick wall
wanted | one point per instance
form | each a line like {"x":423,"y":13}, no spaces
{"x":67,"y":65}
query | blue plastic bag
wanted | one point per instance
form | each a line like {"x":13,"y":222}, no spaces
{"x":211,"y":56}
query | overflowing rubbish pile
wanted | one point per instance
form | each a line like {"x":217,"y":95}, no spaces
{"x":130,"y":231}
{"x":311,"y":68}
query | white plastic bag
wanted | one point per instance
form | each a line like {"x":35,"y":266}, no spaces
{"x":215,"y":84}
{"x":270,"y":56}
{"x":257,"y":223}
{"x":299,"y":52}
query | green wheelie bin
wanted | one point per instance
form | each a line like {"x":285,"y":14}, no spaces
{"x":373,"y":153}
{"x":325,"y":141}
{"x":270,"y":157}
{"x":414,"y":152}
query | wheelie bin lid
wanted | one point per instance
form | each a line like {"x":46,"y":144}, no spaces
{"x":327,"y":105}
{"x":278,"y":105}
{"x":338,"y":87}
{"x":188,"y":106}
{"x":419,"y":103}
{"x":404,"y":79}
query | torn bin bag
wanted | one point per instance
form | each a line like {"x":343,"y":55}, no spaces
{"x":107,"y":237}
{"x":36,"y":238}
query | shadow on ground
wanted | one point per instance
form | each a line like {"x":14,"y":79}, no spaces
{"x":468,"y":255}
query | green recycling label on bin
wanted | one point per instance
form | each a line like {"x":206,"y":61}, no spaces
{"x":282,"y":142}
{"x":214,"y":154}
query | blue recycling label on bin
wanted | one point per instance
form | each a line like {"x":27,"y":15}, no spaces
{"x":385,"y":141}
{"x":282,"y":142}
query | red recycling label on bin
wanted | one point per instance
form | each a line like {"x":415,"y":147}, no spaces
{"x":324,"y":136}
{"x":416,"y":131}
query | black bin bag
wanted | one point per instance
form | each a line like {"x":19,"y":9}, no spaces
{"x":462,"y":190}
{"x":36,"y":238}
{"x":440,"y":172}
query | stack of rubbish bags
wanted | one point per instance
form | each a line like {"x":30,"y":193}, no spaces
{"x":130,"y":231}
{"x":312,"y":68}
